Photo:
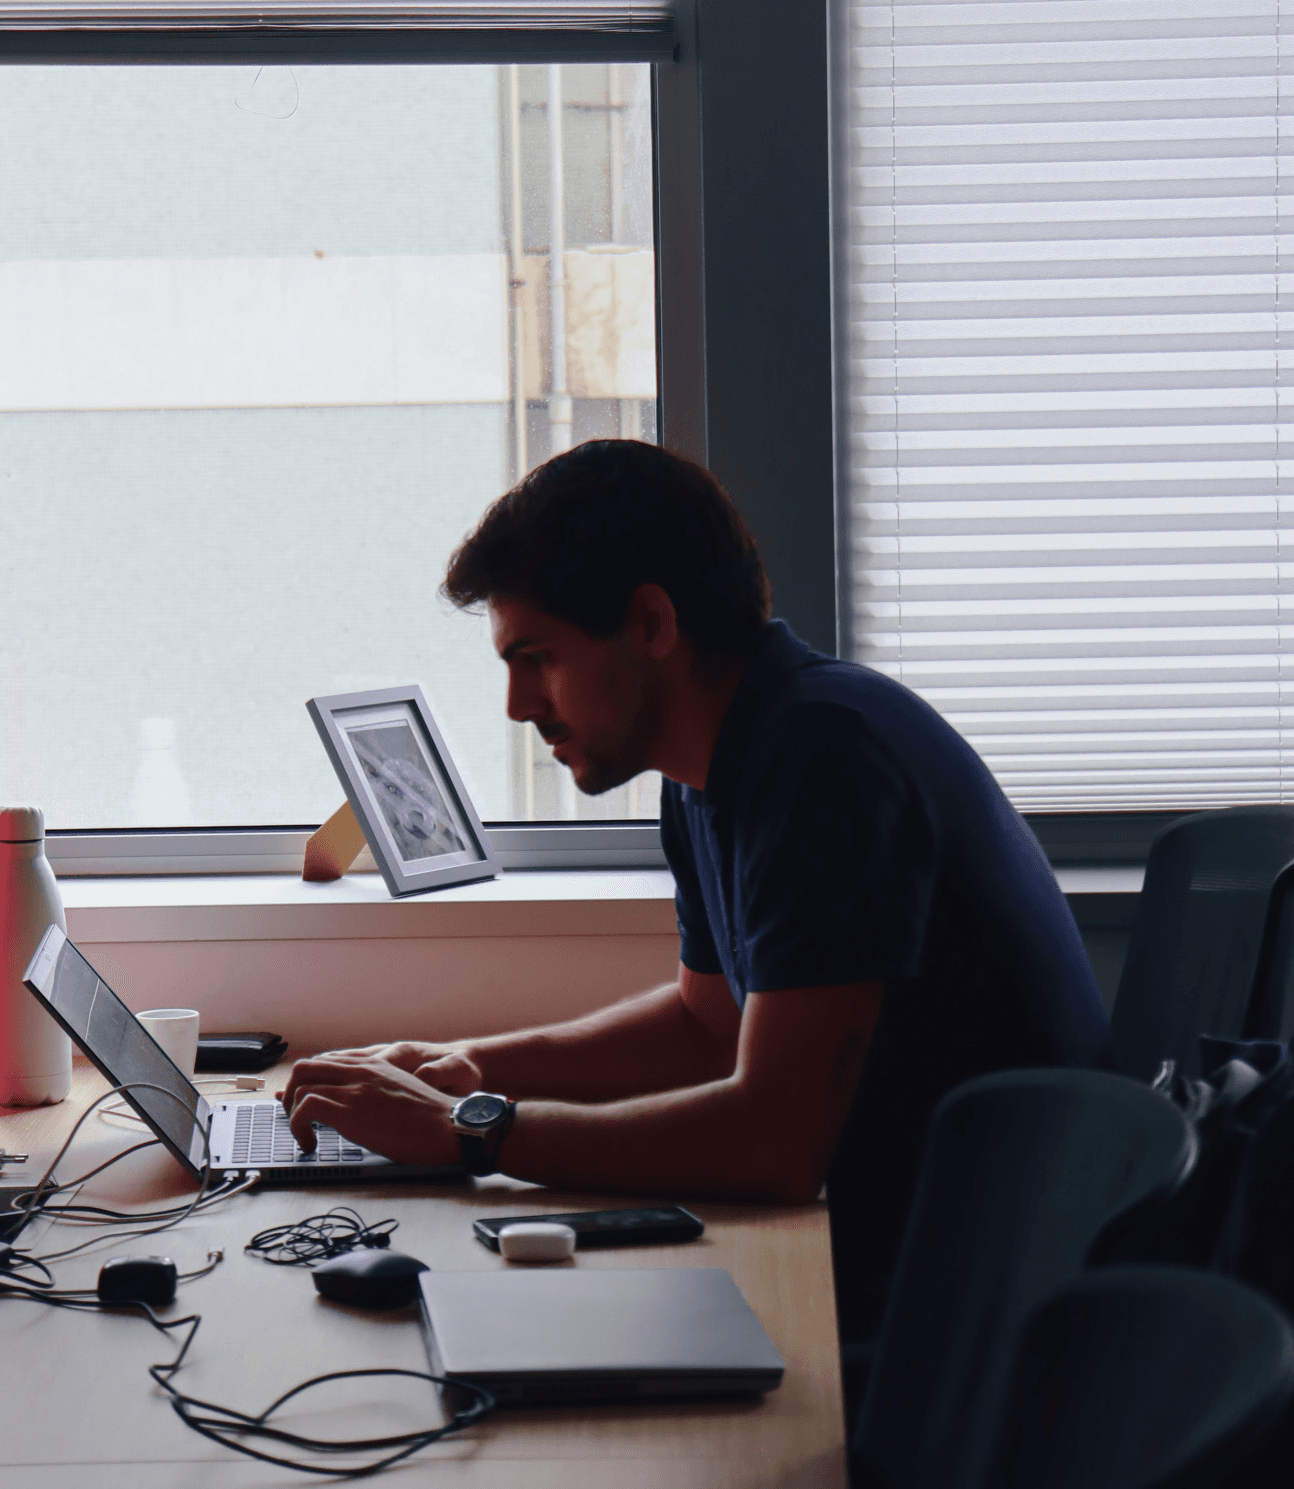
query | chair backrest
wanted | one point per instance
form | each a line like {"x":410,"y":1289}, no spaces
{"x":1199,"y":932}
{"x":1022,"y":1169}
{"x":1144,"y":1378}
{"x":1271,"y":1004}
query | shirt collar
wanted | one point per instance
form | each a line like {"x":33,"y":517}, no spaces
{"x":778,"y":653}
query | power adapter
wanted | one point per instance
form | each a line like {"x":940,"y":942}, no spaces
{"x":137,"y":1279}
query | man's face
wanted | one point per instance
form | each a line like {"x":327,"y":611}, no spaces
{"x":593,"y":701}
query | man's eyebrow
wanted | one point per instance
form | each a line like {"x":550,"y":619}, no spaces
{"x":506,"y":654}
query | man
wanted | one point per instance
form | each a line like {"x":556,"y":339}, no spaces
{"x":864,"y":920}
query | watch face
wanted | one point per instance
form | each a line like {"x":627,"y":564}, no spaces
{"x":481,"y":1110}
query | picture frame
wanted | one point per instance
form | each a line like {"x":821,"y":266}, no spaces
{"x":404,"y":789}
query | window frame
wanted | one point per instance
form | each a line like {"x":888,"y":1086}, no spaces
{"x":541,"y":845}
{"x":743,"y":201}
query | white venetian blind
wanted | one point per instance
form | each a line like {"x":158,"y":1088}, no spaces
{"x":1070,"y":486}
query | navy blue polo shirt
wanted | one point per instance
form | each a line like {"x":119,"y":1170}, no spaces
{"x":846,"y":833}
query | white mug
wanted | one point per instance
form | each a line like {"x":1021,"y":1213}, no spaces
{"x":176,"y":1030}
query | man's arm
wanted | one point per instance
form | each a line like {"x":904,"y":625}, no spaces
{"x":764,"y":1131}
{"x":681,"y":1034}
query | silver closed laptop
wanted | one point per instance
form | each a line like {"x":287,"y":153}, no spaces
{"x":597,"y":1334}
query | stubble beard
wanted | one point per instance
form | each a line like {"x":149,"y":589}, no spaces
{"x":605,"y":769}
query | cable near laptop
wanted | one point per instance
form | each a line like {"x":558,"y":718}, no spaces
{"x":226,"y":1425}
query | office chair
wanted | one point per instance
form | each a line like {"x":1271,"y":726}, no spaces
{"x":1144,"y":1378}
{"x":1271,"y":1004}
{"x":1199,"y":933}
{"x":1022,"y":1169}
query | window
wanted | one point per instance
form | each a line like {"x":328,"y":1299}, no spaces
{"x":743,"y":309}
{"x":1064,"y":269}
{"x":275,"y":336}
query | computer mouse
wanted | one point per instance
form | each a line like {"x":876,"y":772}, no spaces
{"x":367,"y":1278}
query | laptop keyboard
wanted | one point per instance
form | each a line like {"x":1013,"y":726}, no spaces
{"x":262,"y":1135}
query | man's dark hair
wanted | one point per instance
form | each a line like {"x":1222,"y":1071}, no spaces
{"x":580,"y":533}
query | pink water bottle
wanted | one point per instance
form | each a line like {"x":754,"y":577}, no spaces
{"x":35,"y":1054}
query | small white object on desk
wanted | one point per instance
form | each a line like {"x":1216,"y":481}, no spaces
{"x":176,"y":1031}
{"x":536,"y":1241}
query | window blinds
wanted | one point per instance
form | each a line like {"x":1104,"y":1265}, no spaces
{"x":1068,"y":279}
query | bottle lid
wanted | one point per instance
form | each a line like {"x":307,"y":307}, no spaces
{"x":21,"y":825}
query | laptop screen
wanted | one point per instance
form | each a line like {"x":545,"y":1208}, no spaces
{"x":118,"y":1044}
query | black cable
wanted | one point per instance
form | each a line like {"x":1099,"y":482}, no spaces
{"x":87,"y":1301}
{"x":125,"y":1217}
{"x":166,"y":1224}
{"x":47,"y":1291}
{"x":11,"y":1261}
{"x":221,"y":1424}
{"x":214,"y":1258}
{"x":150,"y":1142}
{"x":36,"y":1201}
{"x":229,"y":1421}
{"x":318,"y":1237}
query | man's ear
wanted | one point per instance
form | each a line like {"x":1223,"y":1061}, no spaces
{"x":652,"y":615}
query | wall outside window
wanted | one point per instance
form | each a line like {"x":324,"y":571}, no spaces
{"x":261,"y":327}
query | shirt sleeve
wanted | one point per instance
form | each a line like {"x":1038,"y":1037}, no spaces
{"x":837,"y":851}
{"x":696,"y":944}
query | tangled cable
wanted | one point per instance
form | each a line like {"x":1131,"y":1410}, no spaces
{"x":318,"y":1237}
{"x":27,"y":1277}
{"x":230,"y":1428}
{"x":226,"y":1426}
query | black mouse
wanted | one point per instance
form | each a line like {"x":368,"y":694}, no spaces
{"x":368,"y":1278}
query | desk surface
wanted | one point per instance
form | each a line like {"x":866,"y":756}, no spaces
{"x":79,"y":1408}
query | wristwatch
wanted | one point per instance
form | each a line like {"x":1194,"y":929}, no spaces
{"x":481,"y":1121}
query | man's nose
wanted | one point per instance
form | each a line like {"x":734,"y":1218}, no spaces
{"x":522,"y":704}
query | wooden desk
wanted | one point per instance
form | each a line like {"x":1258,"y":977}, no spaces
{"x":79,"y":1411}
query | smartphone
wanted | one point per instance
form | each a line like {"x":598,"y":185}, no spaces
{"x":646,"y":1227}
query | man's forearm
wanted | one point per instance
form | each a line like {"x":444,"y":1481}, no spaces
{"x":710,"y":1140}
{"x":650,"y":1042}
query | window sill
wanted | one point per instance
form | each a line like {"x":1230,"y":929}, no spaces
{"x":1102,"y":899}
{"x":283,"y":907}
{"x":337,"y":964}
{"x":331,"y":965}
{"x":571,"y":902}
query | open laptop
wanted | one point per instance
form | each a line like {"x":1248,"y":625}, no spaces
{"x":572,"y":1334}
{"x":242,"y":1134}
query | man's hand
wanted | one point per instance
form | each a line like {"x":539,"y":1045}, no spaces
{"x":445,"y":1066}
{"x":405,"y":1054}
{"x":372,"y":1102}
{"x":454,"y":1073}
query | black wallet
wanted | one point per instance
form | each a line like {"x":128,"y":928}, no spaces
{"x":239,"y":1051}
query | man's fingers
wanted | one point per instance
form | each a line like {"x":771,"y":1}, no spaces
{"x":373,"y":1103}
{"x":310,"y":1108}
{"x":455,"y":1075}
{"x":319,"y":1070}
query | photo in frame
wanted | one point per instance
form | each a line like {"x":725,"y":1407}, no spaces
{"x":404,"y":789}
